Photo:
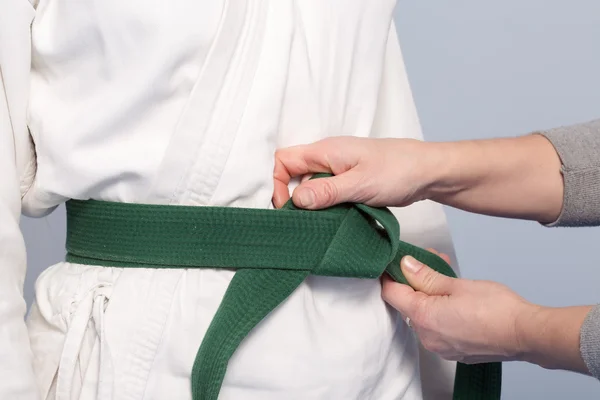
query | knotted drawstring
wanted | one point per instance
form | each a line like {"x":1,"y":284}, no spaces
{"x":92,"y":307}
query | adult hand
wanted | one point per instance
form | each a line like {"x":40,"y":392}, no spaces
{"x":510,"y":177}
{"x":382,"y":172}
{"x":480,"y":321}
{"x":461,"y":320}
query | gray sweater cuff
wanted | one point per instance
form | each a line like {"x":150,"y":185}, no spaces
{"x":578,"y":147}
{"x":590,"y":341}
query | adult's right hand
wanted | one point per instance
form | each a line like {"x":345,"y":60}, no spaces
{"x":509,"y":177}
{"x":377,"y":172}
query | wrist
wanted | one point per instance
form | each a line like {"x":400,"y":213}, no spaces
{"x":455,"y":168}
{"x":550,"y":337}
{"x":528,"y":323}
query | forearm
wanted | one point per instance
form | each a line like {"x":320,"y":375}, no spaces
{"x":550,"y":337}
{"x":509,"y":177}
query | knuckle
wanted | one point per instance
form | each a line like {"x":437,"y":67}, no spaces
{"x":329,"y":191}
{"x":366,"y":191}
{"x":430,"y":280}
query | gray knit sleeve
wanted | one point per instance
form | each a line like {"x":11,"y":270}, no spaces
{"x":578,"y":147}
{"x":589,"y":337}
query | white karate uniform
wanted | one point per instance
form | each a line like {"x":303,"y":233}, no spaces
{"x":185,"y":102}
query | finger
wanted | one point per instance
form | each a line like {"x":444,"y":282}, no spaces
{"x":301,"y":160}
{"x":282,"y":176}
{"x":281,"y":193}
{"x":402,"y":297}
{"x":326,"y":192}
{"x":445,"y":257}
{"x":424,"y":279}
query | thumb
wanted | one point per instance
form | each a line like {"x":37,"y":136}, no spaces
{"x":326,"y":192}
{"x":424,"y":279}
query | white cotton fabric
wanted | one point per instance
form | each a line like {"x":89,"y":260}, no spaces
{"x":185,"y":102}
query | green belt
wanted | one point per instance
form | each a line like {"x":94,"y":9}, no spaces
{"x":273,"y":252}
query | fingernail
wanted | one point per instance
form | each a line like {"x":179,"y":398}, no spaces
{"x":306,"y":198}
{"x":411,"y":264}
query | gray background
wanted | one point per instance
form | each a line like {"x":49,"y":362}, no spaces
{"x":487,"y":69}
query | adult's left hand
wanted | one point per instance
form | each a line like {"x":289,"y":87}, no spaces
{"x":459,"y":319}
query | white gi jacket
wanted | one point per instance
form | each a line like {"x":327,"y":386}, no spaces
{"x":185,"y":102}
